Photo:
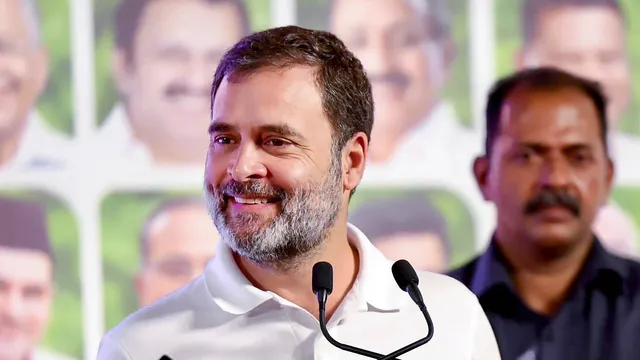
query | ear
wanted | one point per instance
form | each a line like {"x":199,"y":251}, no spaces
{"x":610,"y":176}
{"x":120,"y":65}
{"x":481,"y":173}
{"x":354,"y":159}
{"x":41,"y":69}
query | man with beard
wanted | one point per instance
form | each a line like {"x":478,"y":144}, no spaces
{"x":26,"y":141}
{"x":164,"y":57}
{"x":549,"y":287}
{"x":26,"y":281}
{"x":291,"y":116}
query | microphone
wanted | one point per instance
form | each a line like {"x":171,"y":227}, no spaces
{"x":408,"y":280}
{"x":322,"y":284}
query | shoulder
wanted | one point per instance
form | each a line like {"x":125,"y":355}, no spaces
{"x":445,"y":288}
{"x":464,"y":273}
{"x":154,"y":326}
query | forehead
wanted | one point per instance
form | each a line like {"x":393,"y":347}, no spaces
{"x":13,"y":21}
{"x":549,"y":117}
{"x":373,"y":14}
{"x":580,"y":27}
{"x":23,"y":267}
{"x":271,"y":97}
{"x":190,"y":21}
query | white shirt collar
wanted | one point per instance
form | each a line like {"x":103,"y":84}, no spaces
{"x":375,"y":285}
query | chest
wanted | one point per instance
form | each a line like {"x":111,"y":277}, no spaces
{"x":296,"y":335}
{"x":591,"y":328}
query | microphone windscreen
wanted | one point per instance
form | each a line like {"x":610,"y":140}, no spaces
{"x":322,"y":277}
{"x":404,"y":274}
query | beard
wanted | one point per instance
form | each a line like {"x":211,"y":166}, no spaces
{"x":305,"y":216}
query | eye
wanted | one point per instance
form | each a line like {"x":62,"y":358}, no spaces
{"x":275,"y":142}
{"x":223,"y":140}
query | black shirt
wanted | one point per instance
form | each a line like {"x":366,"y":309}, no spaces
{"x":600,"y":319}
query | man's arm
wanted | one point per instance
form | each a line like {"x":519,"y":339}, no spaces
{"x":110,"y":349}
{"x":485,"y":346}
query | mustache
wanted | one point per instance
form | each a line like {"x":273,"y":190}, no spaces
{"x":253,"y":188}
{"x":551,"y":197}
{"x":392,"y":78}
{"x":175,"y":90}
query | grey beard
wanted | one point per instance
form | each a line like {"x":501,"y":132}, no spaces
{"x":295,"y":234}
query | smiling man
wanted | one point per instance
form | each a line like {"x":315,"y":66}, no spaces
{"x":292,"y":113}
{"x":549,"y":287}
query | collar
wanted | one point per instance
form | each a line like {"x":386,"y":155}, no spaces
{"x":40,"y":146}
{"x":374,"y":287}
{"x":601,"y":269}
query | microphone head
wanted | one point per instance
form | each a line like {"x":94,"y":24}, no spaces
{"x":404,"y":274}
{"x":322,"y":277}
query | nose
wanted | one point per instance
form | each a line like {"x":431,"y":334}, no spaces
{"x":12,"y":304}
{"x":247,"y":164}
{"x":555,"y":174}
{"x":198,"y":74}
{"x":377,"y":57}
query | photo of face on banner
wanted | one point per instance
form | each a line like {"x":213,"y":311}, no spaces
{"x":415,"y":54}
{"x":589,"y":39}
{"x":430,"y":228}
{"x":39,"y":278}
{"x":153,"y":244}
{"x":36,"y":110}
{"x":155,"y":61}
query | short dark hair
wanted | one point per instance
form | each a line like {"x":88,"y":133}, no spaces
{"x":24,"y":226}
{"x":541,"y":79}
{"x":164,"y":207}
{"x":408,"y":213}
{"x":345,"y":89}
{"x":532,"y":11}
{"x":437,"y":14}
{"x":128,"y":14}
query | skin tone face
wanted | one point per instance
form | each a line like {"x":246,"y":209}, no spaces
{"x":167,"y":79}
{"x":26,"y":291}
{"x":424,"y":251}
{"x":23,"y":74}
{"x":181,"y":242}
{"x":548,"y":142}
{"x":270,"y":138}
{"x":590,"y":42}
{"x":406,"y":69}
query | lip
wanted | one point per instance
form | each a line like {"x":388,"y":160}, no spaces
{"x":243,"y":204}
{"x":555,"y":214}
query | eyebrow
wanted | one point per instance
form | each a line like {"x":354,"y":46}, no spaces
{"x":279,"y":129}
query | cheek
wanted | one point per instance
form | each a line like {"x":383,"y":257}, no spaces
{"x":215,"y":168}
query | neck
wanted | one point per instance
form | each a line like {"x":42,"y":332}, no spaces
{"x":383,"y":147}
{"x":295,"y":284}
{"x":542,"y":277}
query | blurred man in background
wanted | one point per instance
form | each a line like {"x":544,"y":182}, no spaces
{"x":549,"y":287}
{"x":176,"y":241}
{"x":166,"y":52}
{"x":407,"y":50}
{"x":26,"y":281}
{"x":406,"y":227}
{"x":26,"y":141}
{"x":587,"y":38}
